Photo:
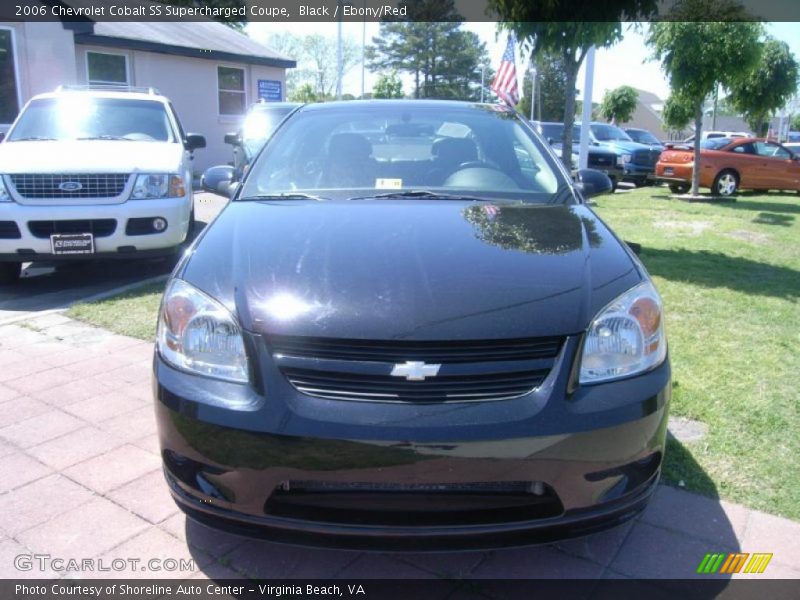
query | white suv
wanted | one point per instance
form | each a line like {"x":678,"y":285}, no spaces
{"x":94,"y":173}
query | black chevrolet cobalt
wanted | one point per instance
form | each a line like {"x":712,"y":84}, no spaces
{"x":408,"y":330}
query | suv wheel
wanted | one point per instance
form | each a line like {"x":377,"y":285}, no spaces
{"x":679,"y":188}
{"x":726,"y":184}
{"x":10,"y":272}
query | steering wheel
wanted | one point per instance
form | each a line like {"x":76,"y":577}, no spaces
{"x":476,"y":164}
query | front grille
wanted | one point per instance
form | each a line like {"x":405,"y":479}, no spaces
{"x":386,"y":388}
{"x":645,"y":158}
{"x":9,"y":231}
{"x":602,"y":160}
{"x":401,"y":351}
{"x":46,"y":186}
{"x":98,"y":227}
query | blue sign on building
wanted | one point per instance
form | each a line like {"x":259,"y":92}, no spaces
{"x":270,"y":90}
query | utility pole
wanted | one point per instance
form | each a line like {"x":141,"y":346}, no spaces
{"x":363,"y":48}
{"x":483,"y":75}
{"x":339,"y":53}
{"x":533,"y":87}
{"x":586,"y":117}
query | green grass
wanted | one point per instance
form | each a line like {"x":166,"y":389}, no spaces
{"x":132,"y":313}
{"x":729,"y":273}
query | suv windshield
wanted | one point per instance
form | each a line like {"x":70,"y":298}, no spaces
{"x":609,"y":133}
{"x":78,"y":116}
{"x":259,"y":124}
{"x":643,"y":137}
{"x":358,"y":150}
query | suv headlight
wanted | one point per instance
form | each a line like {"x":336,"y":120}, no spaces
{"x":623,"y":159}
{"x":626,"y":337}
{"x":4,"y":195}
{"x":198,"y":334}
{"x":158,"y":185}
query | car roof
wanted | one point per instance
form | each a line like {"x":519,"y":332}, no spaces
{"x":399,"y":104}
{"x":104,"y":93}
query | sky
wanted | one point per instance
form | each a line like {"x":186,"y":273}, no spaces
{"x":623,"y":64}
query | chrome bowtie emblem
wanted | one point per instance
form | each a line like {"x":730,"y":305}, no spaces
{"x":415,"y":371}
{"x":70,"y":186}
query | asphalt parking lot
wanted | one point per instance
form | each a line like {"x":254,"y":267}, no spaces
{"x":49,"y":286}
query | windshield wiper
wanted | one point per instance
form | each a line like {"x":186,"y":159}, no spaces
{"x":105,"y":137}
{"x":422,"y":194}
{"x":283,"y":196}
{"x":33,"y":138}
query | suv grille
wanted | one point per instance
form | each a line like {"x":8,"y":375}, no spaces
{"x":470,"y":371}
{"x":602,"y":160}
{"x":97,"y":227}
{"x":645,"y":158}
{"x":46,"y":186}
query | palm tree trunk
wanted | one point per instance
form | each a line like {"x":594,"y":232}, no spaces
{"x":571,"y":72}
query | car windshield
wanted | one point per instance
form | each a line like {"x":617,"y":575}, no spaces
{"x":82,"y":117}
{"x":715,"y":143}
{"x":259,"y":124}
{"x":609,"y":133}
{"x":402,"y":149}
{"x":643,"y":137}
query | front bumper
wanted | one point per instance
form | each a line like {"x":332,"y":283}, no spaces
{"x":357,"y":474}
{"x":25,"y":246}
{"x":634,"y":172}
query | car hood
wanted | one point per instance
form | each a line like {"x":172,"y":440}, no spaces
{"x":410,"y":269}
{"x":623,"y":146}
{"x":90,"y":156}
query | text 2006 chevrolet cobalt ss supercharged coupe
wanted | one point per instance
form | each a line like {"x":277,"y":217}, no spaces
{"x":407,"y":330}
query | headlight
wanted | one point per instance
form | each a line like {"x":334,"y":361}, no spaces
{"x":626,"y":158}
{"x":4,"y":195}
{"x":158,"y":186}
{"x":197,"y":334}
{"x":626,"y":337}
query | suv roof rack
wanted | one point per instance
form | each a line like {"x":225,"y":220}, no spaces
{"x":109,"y":88}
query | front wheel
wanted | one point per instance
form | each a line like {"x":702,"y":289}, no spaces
{"x":726,"y":184}
{"x":679,"y":188}
{"x":10,"y":272}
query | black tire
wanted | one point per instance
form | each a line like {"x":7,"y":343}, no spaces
{"x":679,"y":188}
{"x":614,"y":185}
{"x":726,"y":184}
{"x":10,"y":272}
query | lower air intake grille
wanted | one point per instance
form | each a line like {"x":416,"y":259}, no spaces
{"x":9,"y":230}
{"x":98,"y":227}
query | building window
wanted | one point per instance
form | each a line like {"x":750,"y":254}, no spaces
{"x":106,"y":69}
{"x":232,"y":96}
{"x":9,"y":94}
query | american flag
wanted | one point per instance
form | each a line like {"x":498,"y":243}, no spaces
{"x":504,"y":83}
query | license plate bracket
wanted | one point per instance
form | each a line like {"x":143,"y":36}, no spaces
{"x":72,"y":243}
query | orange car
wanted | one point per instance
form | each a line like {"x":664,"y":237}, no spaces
{"x":729,"y":164}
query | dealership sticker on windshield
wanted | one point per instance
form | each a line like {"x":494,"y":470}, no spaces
{"x":388,"y":184}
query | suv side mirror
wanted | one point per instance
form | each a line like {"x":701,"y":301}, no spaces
{"x":194,"y":141}
{"x":234,"y":139}
{"x":219,"y":180}
{"x":592,"y":182}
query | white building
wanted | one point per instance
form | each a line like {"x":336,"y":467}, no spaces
{"x":211,"y":72}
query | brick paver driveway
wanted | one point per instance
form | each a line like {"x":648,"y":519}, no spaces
{"x":80,"y":478}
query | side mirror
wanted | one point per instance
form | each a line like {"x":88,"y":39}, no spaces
{"x":592,"y":182}
{"x":219,"y":180}
{"x":194,"y":141}
{"x":551,"y":141}
{"x":234,"y":139}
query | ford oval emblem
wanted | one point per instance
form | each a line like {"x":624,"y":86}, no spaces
{"x":70,"y":186}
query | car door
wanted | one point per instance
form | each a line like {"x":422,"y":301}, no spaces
{"x":744,"y":159}
{"x":776,"y":165}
